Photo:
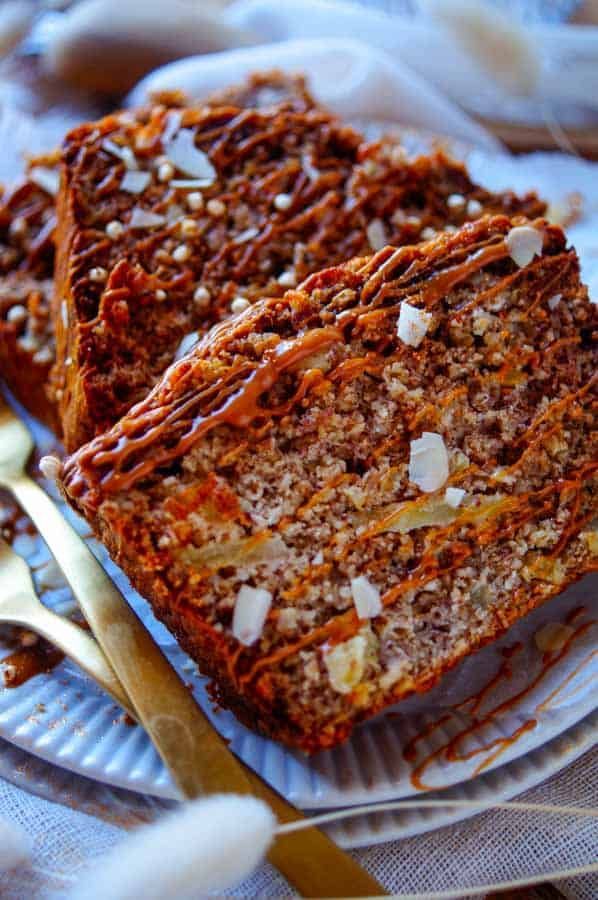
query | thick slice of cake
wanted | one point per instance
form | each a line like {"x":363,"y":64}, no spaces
{"x":341,"y":492}
{"x":27,"y":221}
{"x":170,"y":220}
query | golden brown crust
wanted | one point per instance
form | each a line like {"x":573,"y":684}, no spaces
{"x":276,"y":457}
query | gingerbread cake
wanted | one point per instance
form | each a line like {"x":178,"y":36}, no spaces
{"x":172,"y":219}
{"x":27,"y":221}
{"x":341,"y":492}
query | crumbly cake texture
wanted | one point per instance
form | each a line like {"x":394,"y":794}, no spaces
{"x":171,"y":220}
{"x":264,"y":497}
{"x":27,"y":221}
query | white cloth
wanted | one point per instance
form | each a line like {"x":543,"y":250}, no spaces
{"x":424,"y":56}
{"x":491,"y":847}
{"x":352,"y":78}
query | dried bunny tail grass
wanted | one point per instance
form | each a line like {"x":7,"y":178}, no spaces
{"x":15,"y":845}
{"x":207,"y":845}
{"x":496,"y":42}
{"x":398,"y":805}
{"x":481,"y":806}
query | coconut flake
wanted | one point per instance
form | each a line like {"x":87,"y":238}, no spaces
{"x":366,"y":597}
{"x":524,"y":243}
{"x":144,"y":218}
{"x":125,"y":154}
{"x":191,"y":184}
{"x":308,"y":167}
{"x":172,"y":123}
{"x":47,"y":179}
{"x":187,"y":342}
{"x":251,"y":610}
{"x":554,"y":301}
{"x":413,"y":324}
{"x":182,"y":153}
{"x":135,"y":182}
{"x":376,"y":234}
{"x":454,"y":496}
{"x":345,"y":663}
{"x":246,"y":235}
{"x":50,"y":467}
{"x":428,"y":462}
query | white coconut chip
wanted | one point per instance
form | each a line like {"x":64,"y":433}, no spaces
{"x":454,"y":496}
{"x":50,"y":467}
{"x":135,"y":182}
{"x":189,"y":340}
{"x":172,"y":123}
{"x":125,"y":154}
{"x":182,"y":153}
{"x":366,"y":597}
{"x":47,"y":179}
{"x":554,"y":301}
{"x":428,"y":462}
{"x":524,"y":243}
{"x":413,"y":324}
{"x":376,"y":234}
{"x":191,"y":184}
{"x":251,"y":610}
{"x":246,"y":235}
{"x":144,"y":218}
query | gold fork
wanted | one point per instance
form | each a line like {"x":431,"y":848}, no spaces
{"x":196,"y":755}
{"x":20,"y":605}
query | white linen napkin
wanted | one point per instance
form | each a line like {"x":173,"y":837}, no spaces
{"x":354,"y":80}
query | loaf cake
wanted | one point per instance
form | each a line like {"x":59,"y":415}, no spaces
{"x":170,"y":220}
{"x":27,"y":220}
{"x":341,"y":492}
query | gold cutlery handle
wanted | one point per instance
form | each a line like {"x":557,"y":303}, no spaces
{"x":75,"y":643}
{"x":191,"y":748}
{"x":187,"y":742}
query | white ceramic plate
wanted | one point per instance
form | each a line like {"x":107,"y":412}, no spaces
{"x":430,"y":742}
{"x":126,"y":809}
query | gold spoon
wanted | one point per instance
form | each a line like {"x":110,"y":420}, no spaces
{"x":20,"y":605}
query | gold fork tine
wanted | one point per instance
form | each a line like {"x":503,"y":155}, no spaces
{"x":194,"y":752}
{"x":20,"y":605}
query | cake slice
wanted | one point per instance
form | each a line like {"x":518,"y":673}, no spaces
{"x":171,"y":220}
{"x":341,"y":492}
{"x":27,"y":220}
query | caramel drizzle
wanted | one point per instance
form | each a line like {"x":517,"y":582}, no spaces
{"x":237,"y":404}
{"x":451,"y":750}
{"x":345,"y":625}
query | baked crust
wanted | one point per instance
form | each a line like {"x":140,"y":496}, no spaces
{"x":276,"y":457}
{"x":27,"y":221}
{"x":293,"y":190}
